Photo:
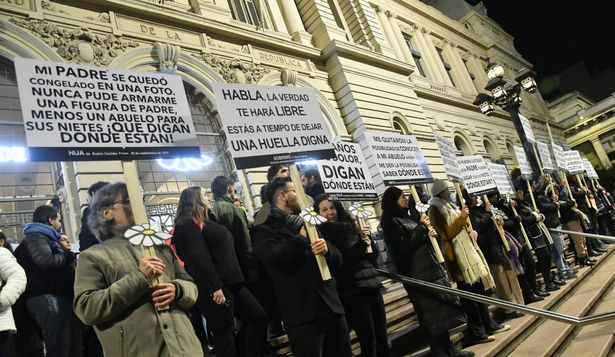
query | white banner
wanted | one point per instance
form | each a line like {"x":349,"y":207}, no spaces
{"x":527,"y":128}
{"x":268,"y":125}
{"x":589,"y":168}
{"x":476,"y":176}
{"x":73,"y":112}
{"x":560,"y":159}
{"x":501,"y":176}
{"x":545,"y":156}
{"x":574,"y":164}
{"x":347,"y":178}
{"x":399,"y":159}
{"x":524,"y":165}
{"x":449,"y":158}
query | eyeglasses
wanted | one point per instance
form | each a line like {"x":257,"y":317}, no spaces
{"x":124,"y":201}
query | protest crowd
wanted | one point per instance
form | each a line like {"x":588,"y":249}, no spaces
{"x":252,"y":280}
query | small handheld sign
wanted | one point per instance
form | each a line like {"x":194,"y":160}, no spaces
{"x":449,"y":158}
{"x":545,"y":156}
{"x":360,"y":213}
{"x":477,"y":179}
{"x":527,"y":128}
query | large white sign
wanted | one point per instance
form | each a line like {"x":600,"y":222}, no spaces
{"x":560,"y":159}
{"x":545,"y":156}
{"x":589,"y":168}
{"x":268,"y":125}
{"x":399,"y":159}
{"x":476,"y":176}
{"x":574,"y":164}
{"x":527,"y":128}
{"x":73,"y":112}
{"x":346,"y":177}
{"x":524,"y":165}
{"x":502,"y":178}
{"x":449,"y":158}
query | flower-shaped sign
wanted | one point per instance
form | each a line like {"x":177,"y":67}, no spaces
{"x":357,"y":211}
{"x":144,"y":235}
{"x":479,"y":201}
{"x":422,"y":207}
{"x":498,"y":214}
{"x":312,"y":217}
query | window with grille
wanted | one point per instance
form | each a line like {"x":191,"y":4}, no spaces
{"x":248,"y":11}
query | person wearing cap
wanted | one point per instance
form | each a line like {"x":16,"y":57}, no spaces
{"x":464,"y":260}
{"x":407,"y":234}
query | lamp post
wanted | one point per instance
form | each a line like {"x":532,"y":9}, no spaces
{"x":507,"y":96}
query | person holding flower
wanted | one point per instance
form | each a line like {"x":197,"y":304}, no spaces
{"x":137,"y":303}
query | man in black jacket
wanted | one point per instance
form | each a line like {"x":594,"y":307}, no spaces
{"x":311,"y":309}
{"x":46,"y":264}
{"x":86,"y":237}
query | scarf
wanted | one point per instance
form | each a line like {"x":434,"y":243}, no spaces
{"x":469,"y":257}
{"x":44,"y":229}
{"x":515,"y":248}
{"x":293,"y":221}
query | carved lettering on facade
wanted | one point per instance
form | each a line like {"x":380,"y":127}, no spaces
{"x":25,"y":4}
{"x":152,"y":30}
{"x":78,"y":45}
{"x":281,"y":60}
{"x":234,"y":70}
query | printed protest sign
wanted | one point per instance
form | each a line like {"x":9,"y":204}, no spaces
{"x":574,"y":163}
{"x":560,"y":159}
{"x":502,"y":178}
{"x":545,"y":156}
{"x":268,"y":125}
{"x":399,"y":159}
{"x":476,"y":176}
{"x":524,"y":165}
{"x":449,"y":158}
{"x":589,"y":168}
{"x":527,"y":128}
{"x":73,"y":112}
{"x":346,"y":177}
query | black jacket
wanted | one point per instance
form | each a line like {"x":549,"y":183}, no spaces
{"x":565,"y":205}
{"x":413,"y":256}
{"x":489,"y":240}
{"x":357,"y":271}
{"x":534,"y":233}
{"x":208,"y":255}
{"x":46,"y":265}
{"x":301,"y":293}
{"x":549,"y":209}
{"x":86,"y":237}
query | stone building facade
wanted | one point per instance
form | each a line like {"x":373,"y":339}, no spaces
{"x":393,"y":66}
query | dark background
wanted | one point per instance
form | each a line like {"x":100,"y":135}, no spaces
{"x":574,"y":37}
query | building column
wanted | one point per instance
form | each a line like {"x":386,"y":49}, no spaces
{"x":405,"y":51}
{"x":432,"y":63}
{"x":459,"y":69}
{"x":437,"y":60}
{"x":601,"y":153}
{"x":479,"y":72}
{"x":383,"y":16}
{"x":294,"y":23}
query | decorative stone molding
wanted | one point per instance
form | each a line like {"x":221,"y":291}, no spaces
{"x":168,"y":56}
{"x":102,"y":17}
{"x":226,"y":46}
{"x":289,"y":77}
{"x":234,"y":70}
{"x":77,"y":45}
{"x":49,"y":6}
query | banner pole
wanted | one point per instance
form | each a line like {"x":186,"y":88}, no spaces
{"x":500,"y":229}
{"x":434,"y":242}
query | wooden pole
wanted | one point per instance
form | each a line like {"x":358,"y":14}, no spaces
{"x":500,"y":229}
{"x":580,"y":182}
{"x":361,"y":223}
{"x":310,"y":228}
{"x":527,"y":240}
{"x":540,"y":224}
{"x":434,"y":242}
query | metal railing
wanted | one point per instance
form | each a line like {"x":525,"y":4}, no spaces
{"x":550,"y":315}
{"x":588,"y":235}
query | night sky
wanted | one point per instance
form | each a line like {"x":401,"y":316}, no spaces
{"x":556,"y":34}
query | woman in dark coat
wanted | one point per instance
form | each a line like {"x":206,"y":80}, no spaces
{"x":406,"y":233}
{"x":357,"y":281}
{"x":208,"y":253}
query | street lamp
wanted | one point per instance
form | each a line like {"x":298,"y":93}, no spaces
{"x":507,"y":96}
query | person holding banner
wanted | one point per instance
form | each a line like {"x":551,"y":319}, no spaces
{"x":464,"y":260}
{"x":208,"y":251}
{"x":406,"y":233}
{"x":357,"y":281}
{"x":312,"y":312}
{"x":491,"y":244}
{"x":583,"y":198}
{"x":571,"y":219}
{"x":115,"y":289}
{"x":549,"y":206}
{"x":530,"y":219}
{"x":312,"y":183}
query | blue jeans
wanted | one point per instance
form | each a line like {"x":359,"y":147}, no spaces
{"x":58,"y":323}
{"x":557,"y":252}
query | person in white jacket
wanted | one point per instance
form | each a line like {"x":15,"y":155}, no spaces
{"x":13,"y":282}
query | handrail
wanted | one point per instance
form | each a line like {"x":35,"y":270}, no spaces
{"x":588,"y":235}
{"x":550,"y":315}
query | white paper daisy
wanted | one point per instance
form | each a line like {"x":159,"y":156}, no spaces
{"x":145,"y":235}
{"x":479,"y":201}
{"x":498,"y":214}
{"x":357,"y":211}
{"x":312,"y":217}
{"x":422,"y":207}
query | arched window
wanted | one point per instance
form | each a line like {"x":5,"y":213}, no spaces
{"x":399,"y":125}
{"x":491,"y":150}
{"x":462,"y":145}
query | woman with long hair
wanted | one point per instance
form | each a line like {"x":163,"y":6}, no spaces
{"x":407,"y":234}
{"x":208,"y":252}
{"x":357,"y":282}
